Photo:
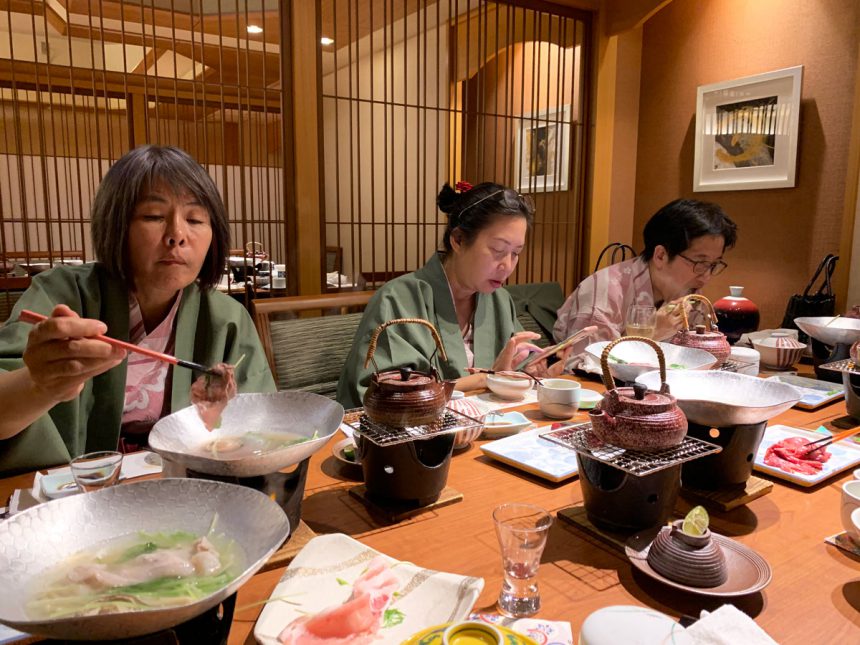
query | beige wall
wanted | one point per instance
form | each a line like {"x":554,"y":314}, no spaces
{"x":783,"y":232}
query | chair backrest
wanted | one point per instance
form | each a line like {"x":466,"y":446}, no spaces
{"x":617,"y":253}
{"x":308,"y":353}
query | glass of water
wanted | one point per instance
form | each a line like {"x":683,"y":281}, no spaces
{"x":522,"y":530}
{"x":95,"y":470}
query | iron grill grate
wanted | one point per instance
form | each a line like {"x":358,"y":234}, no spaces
{"x":383,"y":435}
{"x":582,"y":439}
{"x":845,"y":365}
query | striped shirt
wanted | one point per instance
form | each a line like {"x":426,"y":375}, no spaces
{"x":602,"y":300}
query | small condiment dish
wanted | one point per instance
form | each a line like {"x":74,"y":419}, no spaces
{"x":588,"y":399}
{"x":509,"y":387}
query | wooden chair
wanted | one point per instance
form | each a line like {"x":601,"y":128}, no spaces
{"x":618,"y":253}
{"x":308,"y":353}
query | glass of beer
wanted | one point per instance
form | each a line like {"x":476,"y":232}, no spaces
{"x":641,"y":321}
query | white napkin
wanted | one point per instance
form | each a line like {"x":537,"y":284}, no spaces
{"x":727,"y":626}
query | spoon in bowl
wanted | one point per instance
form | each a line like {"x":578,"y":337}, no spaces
{"x":33,"y":318}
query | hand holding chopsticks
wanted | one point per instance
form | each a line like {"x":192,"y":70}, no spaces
{"x":812,"y":446}
{"x":33,"y":317}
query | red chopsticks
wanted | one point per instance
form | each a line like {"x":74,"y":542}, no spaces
{"x":33,"y":317}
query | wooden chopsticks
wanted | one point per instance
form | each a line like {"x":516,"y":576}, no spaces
{"x":33,"y":317}
{"x":826,"y":441}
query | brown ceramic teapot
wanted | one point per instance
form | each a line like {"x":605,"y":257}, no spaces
{"x":711,"y":340}
{"x":636,"y":417}
{"x":405,"y":397}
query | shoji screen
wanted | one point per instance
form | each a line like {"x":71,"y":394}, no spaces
{"x":416,"y":93}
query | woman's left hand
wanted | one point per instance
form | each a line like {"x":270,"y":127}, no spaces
{"x":515,"y":351}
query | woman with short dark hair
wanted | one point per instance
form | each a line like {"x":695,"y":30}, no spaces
{"x":684,"y":245}
{"x":161,"y":238}
{"x":458,"y":291}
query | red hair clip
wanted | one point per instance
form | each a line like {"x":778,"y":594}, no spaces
{"x":463,"y":186}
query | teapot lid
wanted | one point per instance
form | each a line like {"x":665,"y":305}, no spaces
{"x":644,"y":401}
{"x":405,"y":379}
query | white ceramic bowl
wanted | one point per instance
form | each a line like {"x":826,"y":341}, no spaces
{"x":508,"y":387}
{"x":848,"y":509}
{"x":632,"y":358}
{"x":558,"y":398}
{"x":779,"y":351}
{"x":855,"y":522}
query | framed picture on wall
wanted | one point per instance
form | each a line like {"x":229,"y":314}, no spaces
{"x":746,"y":132}
{"x":542,"y":150}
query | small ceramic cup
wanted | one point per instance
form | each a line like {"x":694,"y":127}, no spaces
{"x":472,"y":632}
{"x":850,"y":503}
{"x":558,"y":398}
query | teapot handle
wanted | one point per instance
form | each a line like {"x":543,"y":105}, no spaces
{"x":712,"y":316}
{"x":371,"y":348}
{"x":609,"y":384}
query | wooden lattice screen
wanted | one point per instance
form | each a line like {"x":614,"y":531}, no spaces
{"x":417,"y":93}
{"x":84,"y":81}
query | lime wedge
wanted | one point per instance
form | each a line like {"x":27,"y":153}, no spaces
{"x":696,"y":522}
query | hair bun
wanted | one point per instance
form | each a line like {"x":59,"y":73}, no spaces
{"x":447,"y":200}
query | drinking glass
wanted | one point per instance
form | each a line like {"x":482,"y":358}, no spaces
{"x":96,"y":470}
{"x":522,"y":530}
{"x":641,"y":321}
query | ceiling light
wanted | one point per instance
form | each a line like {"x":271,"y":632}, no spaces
{"x":254,"y":29}
{"x":325,"y":40}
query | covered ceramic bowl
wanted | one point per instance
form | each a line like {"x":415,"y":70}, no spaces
{"x":779,"y":350}
{"x":693,"y":560}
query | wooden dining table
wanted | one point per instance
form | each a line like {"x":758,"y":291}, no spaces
{"x":813,"y":596}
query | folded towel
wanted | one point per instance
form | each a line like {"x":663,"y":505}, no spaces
{"x":727,"y":626}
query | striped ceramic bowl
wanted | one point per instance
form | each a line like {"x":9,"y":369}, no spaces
{"x":779,"y":350}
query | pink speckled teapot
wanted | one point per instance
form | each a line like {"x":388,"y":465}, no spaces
{"x":711,"y":340}
{"x":636,"y":417}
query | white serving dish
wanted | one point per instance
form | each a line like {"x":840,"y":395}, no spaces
{"x":830,"y":330}
{"x":182,"y":438}
{"x":843,"y":455}
{"x":721,"y":399}
{"x":529,"y":452}
{"x":639,"y":357}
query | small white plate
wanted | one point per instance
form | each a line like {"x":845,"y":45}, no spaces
{"x":58,"y":485}
{"x":588,"y":399}
{"x":503,"y":425}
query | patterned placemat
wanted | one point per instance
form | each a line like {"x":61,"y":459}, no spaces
{"x":725,"y":499}
{"x":396,"y":512}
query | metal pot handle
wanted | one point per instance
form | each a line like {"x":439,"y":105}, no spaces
{"x":712,"y":316}
{"x":609,"y":384}
{"x":371,"y":348}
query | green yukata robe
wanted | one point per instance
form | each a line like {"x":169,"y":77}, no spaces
{"x":210,"y":328}
{"x":424,"y":294}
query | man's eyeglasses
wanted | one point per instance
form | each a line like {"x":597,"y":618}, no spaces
{"x":510,"y":198}
{"x":701,"y":267}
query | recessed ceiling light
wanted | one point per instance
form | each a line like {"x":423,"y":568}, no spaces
{"x":325,"y":40}
{"x":254,"y":29}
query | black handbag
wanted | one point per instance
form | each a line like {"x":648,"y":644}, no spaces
{"x":819,"y":303}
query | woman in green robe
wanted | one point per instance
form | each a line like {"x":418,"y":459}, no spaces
{"x":161,"y":238}
{"x":458,"y":290}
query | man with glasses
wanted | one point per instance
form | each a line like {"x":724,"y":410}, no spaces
{"x":684,"y":245}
